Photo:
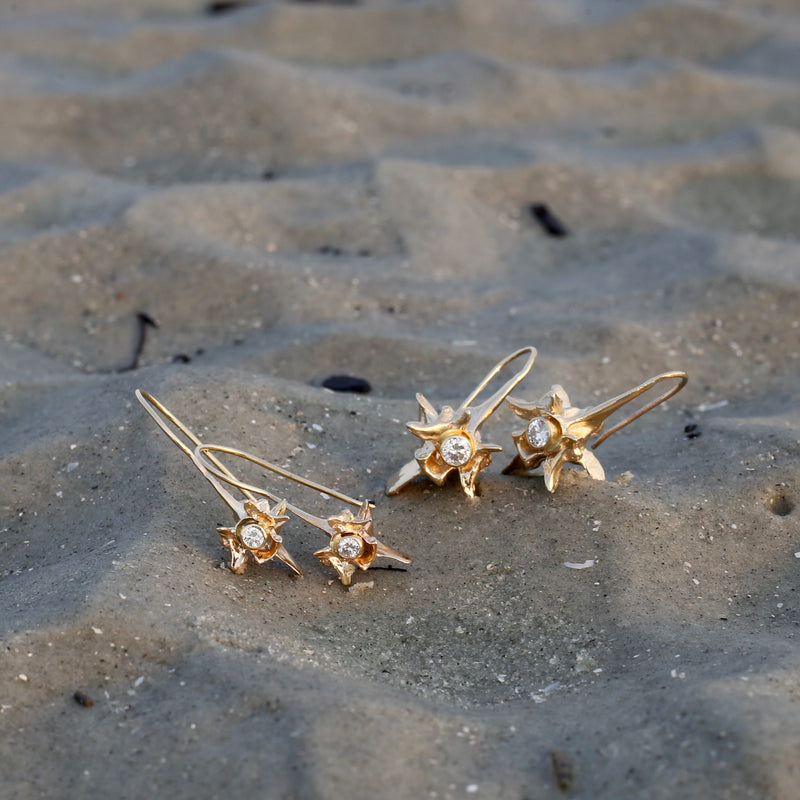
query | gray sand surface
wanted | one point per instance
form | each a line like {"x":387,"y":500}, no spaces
{"x":299,"y":189}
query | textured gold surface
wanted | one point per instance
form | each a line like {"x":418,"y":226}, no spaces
{"x":571,"y":428}
{"x":434,"y":428}
{"x":269,"y":520}
{"x":359,"y":525}
{"x":344,"y":524}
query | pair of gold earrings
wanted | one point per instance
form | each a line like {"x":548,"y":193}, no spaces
{"x":555,"y":434}
{"x":351,"y":542}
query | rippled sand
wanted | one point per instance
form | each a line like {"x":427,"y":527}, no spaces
{"x":293,"y":190}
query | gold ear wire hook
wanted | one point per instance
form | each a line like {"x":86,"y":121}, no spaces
{"x":451,"y":439}
{"x":216,"y":469}
{"x":352,"y":544}
{"x":609,"y":407}
{"x":158,"y":411}
{"x":256,"y":530}
{"x":557,"y":433}
{"x":482,"y":412}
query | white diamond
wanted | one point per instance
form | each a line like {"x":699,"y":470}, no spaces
{"x":350,"y":546}
{"x":253,"y":537}
{"x":456,"y":450}
{"x":538,"y":433}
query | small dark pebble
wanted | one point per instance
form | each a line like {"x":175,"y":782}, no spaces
{"x":549,"y":222}
{"x":329,"y":250}
{"x":217,"y":8}
{"x":181,"y":358}
{"x":365,"y":252}
{"x":693,"y":431}
{"x":347,"y":383}
{"x":83,"y":699}
{"x":268,"y":175}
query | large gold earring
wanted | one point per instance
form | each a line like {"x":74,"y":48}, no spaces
{"x":557,"y":433}
{"x":451,"y":438}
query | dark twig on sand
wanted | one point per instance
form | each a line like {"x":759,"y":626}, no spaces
{"x":144,"y":320}
{"x":549,"y":222}
{"x":83,"y":699}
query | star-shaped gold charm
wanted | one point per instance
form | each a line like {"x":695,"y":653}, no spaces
{"x":352,"y":544}
{"x":451,"y":438}
{"x":257,"y":535}
{"x":555,"y":434}
{"x":450,"y":443}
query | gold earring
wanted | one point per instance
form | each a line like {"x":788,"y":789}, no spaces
{"x":557,"y":433}
{"x":351,"y":543}
{"x":256,"y":530}
{"x":451,"y":438}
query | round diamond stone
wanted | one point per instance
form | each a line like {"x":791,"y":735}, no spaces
{"x":253,"y":536}
{"x":350,"y":546}
{"x":538,"y":433}
{"x":456,"y":450}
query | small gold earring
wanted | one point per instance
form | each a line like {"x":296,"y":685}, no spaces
{"x":256,"y":530}
{"x":451,"y":438}
{"x":351,"y":545}
{"x":556,"y":433}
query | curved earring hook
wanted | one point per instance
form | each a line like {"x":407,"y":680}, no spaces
{"x":217,"y":470}
{"x":557,"y":433}
{"x":256,"y":530}
{"x":159,"y":412}
{"x":451,"y":438}
{"x":483,"y":411}
{"x":605,"y":410}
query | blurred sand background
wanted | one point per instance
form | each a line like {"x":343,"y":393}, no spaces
{"x":299,"y":189}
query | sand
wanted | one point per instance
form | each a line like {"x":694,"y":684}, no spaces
{"x":292,"y":190}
